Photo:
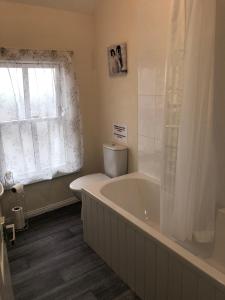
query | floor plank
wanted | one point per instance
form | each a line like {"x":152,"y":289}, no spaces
{"x":51,"y":261}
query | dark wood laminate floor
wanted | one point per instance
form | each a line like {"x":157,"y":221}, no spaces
{"x":51,"y":261}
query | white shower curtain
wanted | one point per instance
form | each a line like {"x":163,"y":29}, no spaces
{"x":188,"y":177}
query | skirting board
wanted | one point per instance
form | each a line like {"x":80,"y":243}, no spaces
{"x":50,"y":207}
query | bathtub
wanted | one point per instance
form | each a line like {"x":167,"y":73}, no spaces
{"x":121,"y":218}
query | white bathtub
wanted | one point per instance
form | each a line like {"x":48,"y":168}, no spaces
{"x":136,"y":195}
{"x":121,"y":223}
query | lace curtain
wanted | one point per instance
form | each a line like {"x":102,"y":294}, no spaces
{"x":188,"y":179}
{"x":40,"y":126}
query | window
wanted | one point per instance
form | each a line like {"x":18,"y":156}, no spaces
{"x":39,"y":121}
{"x":33,"y":90}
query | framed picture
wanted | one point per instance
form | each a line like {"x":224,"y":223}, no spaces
{"x":117,"y":57}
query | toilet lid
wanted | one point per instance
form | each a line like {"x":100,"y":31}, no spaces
{"x":79,"y":183}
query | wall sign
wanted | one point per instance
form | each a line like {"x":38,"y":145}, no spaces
{"x":120,"y":133}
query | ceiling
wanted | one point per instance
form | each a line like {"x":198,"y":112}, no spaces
{"x":84,"y":6}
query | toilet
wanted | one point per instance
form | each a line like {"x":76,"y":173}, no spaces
{"x":115,"y":164}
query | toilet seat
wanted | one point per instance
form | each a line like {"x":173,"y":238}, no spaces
{"x":79,"y":183}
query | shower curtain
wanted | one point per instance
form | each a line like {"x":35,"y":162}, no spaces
{"x":188,"y":171}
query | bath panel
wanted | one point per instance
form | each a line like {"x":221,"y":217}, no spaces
{"x":148,"y":266}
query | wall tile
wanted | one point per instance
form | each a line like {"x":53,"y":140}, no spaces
{"x":147,"y":81}
{"x":151,"y":109}
{"x":145,"y":155}
{"x":157,"y":158}
{"x":146,"y":116}
{"x":149,"y":156}
{"x":151,"y":74}
{"x":159,"y":117}
{"x":152,"y":50}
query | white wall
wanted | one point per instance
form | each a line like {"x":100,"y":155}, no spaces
{"x":140,"y":23}
{"x":153,"y":21}
{"x":116,"y":22}
{"x":24,"y":26}
{"x":136,"y":99}
{"x":143,"y":24}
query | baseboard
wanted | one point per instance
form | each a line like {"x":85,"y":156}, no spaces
{"x":50,"y":207}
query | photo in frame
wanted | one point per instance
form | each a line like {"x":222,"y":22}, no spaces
{"x":117,"y":58}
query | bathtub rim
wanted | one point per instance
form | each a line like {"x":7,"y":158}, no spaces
{"x":94,"y":190}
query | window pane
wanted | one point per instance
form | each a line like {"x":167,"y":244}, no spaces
{"x":43,"y":145}
{"x":42,"y":92}
{"x":50,"y":144}
{"x":11,"y":94}
{"x":17,"y":142}
{"x":57,"y":144}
